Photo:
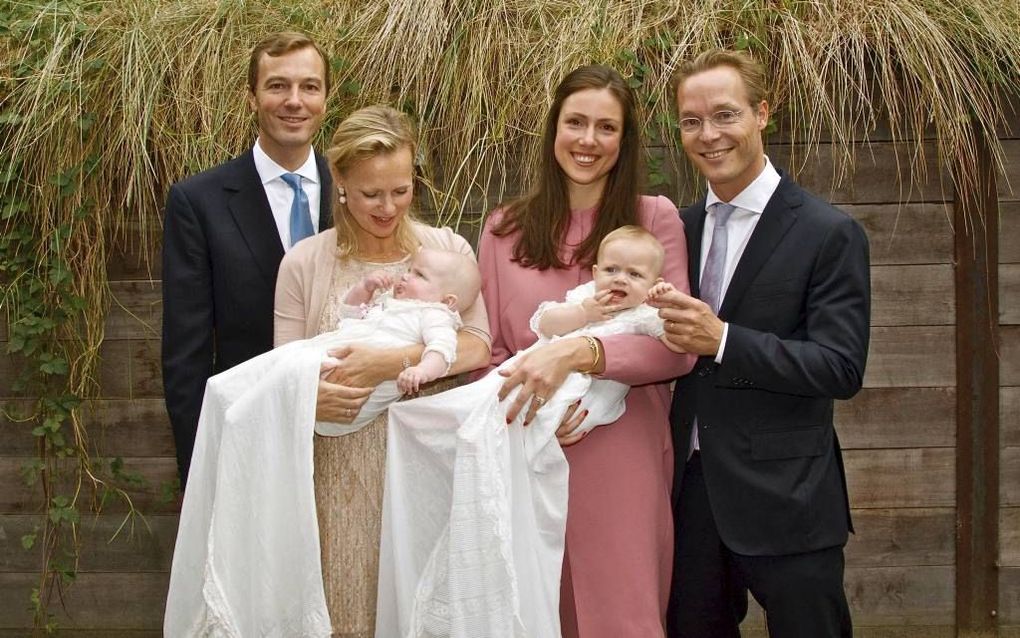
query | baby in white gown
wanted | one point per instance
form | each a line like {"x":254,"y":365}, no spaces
{"x":474,"y":509}
{"x":423,"y":307}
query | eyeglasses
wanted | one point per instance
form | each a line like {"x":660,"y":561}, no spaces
{"x":719,"y":119}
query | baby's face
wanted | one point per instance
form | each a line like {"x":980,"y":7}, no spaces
{"x":628,"y":268}
{"x":424,"y":280}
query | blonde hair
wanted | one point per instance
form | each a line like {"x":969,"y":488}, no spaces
{"x":750,"y":71}
{"x":639,"y":234}
{"x":364,"y":134}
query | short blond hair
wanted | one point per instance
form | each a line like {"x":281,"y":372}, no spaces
{"x":750,"y":71}
{"x":364,"y":134}
{"x":639,"y":234}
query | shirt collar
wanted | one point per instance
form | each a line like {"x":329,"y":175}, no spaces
{"x":757,"y":194}
{"x":269,"y":170}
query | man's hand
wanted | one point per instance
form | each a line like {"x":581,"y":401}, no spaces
{"x":690,"y":325}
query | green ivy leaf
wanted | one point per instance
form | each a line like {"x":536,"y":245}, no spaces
{"x":28,"y":541}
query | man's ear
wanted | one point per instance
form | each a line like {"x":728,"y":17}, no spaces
{"x":252,"y":103}
{"x":450,"y":300}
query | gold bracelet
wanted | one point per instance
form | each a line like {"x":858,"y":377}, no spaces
{"x":593,"y":345}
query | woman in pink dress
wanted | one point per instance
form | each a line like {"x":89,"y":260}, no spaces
{"x":619,"y":541}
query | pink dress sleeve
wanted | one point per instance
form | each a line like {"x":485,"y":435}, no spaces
{"x":636,"y":360}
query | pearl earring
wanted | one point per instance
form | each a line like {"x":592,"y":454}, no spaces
{"x":343,"y":194}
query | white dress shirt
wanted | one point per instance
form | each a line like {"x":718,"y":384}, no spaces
{"x":748,"y":207}
{"x":281,"y":195}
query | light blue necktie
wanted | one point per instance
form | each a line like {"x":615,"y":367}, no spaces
{"x":715,"y":264}
{"x":300,"y":216}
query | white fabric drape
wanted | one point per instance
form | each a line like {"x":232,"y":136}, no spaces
{"x":474,"y":510}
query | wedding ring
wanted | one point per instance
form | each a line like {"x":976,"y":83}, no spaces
{"x":540,"y":400}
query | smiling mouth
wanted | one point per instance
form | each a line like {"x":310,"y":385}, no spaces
{"x":293,"y":120}
{"x":383,"y":221}
{"x":584,"y":160}
{"x":711,"y":155}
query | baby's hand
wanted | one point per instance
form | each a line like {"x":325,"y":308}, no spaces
{"x":657,"y":291}
{"x":377,"y":280}
{"x":599,"y":307}
{"x":410,"y":379}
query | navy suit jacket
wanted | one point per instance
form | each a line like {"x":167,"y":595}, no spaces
{"x":798,"y":308}
{"x":221,"y":254}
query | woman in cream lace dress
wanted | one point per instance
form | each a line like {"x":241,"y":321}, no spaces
{"x":371,"y":160}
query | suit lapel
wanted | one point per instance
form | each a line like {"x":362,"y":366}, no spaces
{"x":325,"y":194}
{"x":694,"y":224}
{"x":251,"y":212}
{"x":779,"y":214}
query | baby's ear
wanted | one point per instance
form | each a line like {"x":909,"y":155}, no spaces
{"x":450,"y":300}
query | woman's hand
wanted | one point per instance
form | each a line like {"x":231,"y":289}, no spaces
{"x":567,"y":433}
{"x":363,"y":366}
{"x":540,"y":373}
{"x":339,"y":403}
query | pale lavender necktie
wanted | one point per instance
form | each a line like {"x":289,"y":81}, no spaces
{"x":712,"y":276}
{"x":715,"y":264}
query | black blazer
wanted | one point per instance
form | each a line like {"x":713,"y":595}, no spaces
{"x":221,"y":253}
{"x":798,"y":308}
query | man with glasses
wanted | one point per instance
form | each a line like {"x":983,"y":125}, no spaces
{"x":781,"y":327}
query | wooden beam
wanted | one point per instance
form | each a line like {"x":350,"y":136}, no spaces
{"x":977,"y":382}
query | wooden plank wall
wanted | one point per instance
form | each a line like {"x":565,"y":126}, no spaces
{"x":898,"y":434}
{"x":1009,"y":379}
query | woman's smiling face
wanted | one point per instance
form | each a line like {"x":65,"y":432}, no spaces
{"x":589,"y":130}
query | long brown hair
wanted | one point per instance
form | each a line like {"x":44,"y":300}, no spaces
{"x":541,"y":217}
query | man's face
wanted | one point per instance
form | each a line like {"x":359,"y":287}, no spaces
{"x":730,"y":156}
{"x":289,"y":102}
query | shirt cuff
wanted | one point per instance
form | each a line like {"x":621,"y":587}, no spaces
{"x":722,"y":343}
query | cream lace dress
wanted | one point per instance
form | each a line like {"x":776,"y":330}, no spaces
{"x":349,"y":474}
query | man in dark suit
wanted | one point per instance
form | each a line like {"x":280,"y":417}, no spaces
{"x":781,"y":329}
{"x":227,"y":228}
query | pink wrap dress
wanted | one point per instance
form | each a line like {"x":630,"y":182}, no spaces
{"x":619,"y":539}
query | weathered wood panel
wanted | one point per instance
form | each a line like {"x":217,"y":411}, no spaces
{"x":928,"y":287}
{"x":874,"y":178}
{"x":1009,"y":596}
{"x":1011,"y":151}
{"x":136,"y":310}
{"x":1009,"y":230}
{"x":1009,"y":293}
{"x":150,"y":498}
{"x":1009,"y":537}
{"x":1009,"y":355}
{"x":98,"y":600}
{"x":897,"y":418}
{"x":130,"y":369}
{"x":115,"y":427}
{"x":109,"y":543}
{"x":911,"y":356}
{"x":1009,"y":473}
{"x":916,"y":477}
{"x":906,"y":234}
{"x":1009,"y":416}
{"x":904,"y":537}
